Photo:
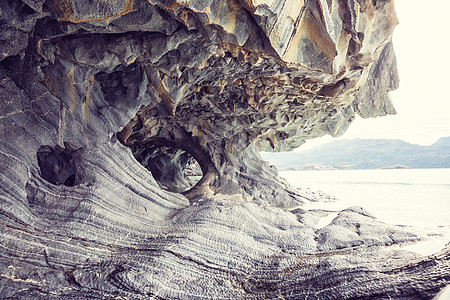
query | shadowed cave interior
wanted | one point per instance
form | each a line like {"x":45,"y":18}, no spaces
{"x":175,"y":170}
{"x":192,"y":88}
{"x":57,"y":165}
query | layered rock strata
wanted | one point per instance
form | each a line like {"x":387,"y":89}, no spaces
{"x":104,"y":108}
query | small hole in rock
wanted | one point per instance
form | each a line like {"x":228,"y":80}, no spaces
{"x":175,"y":170}
{"x":57,"y":165}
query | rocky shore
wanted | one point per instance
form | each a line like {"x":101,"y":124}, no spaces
{"x":105,"y":106}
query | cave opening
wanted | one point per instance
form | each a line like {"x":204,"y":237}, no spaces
{"x":57,"y":165}
{"x":175,"y":169}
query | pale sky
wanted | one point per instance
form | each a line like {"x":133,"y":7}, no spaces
{"x":422,"y":45}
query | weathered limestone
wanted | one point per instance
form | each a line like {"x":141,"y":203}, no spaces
{"x":88,"y":89}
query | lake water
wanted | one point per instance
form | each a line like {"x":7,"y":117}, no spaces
{"x":415,"y":197}
{"x":418,"y":197}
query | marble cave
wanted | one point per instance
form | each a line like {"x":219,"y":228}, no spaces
{"x":129,"y":151}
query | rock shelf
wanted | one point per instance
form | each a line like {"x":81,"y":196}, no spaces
{"x":105,"y":105}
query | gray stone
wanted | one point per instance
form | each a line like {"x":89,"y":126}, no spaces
{"x":86,"y":87}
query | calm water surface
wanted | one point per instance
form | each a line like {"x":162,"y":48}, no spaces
{"x":417,"y":197}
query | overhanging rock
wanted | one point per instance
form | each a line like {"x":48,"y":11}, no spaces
{"x":84,"y":86}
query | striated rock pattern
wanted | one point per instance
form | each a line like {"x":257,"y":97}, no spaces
{"x":106,"y":107}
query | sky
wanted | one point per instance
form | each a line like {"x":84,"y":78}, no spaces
{"x":422,"y":46}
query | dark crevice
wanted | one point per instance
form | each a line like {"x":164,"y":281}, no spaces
{"x":14,"y":7}
{"x":111,"y":84}
{"x":57,"y":165}
{"x":174,"y":169}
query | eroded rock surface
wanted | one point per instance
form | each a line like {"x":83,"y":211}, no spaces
{"x":87,"y":90}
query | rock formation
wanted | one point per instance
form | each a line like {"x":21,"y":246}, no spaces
{"x":105,"y":105}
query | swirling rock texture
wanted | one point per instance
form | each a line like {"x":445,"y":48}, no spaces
{"x":107,"y":106}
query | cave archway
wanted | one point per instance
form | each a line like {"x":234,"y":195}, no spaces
{"x":175,"y":169}
{"x":57,"y":165}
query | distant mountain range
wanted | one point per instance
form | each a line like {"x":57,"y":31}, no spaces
{"x":364,"y":154}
